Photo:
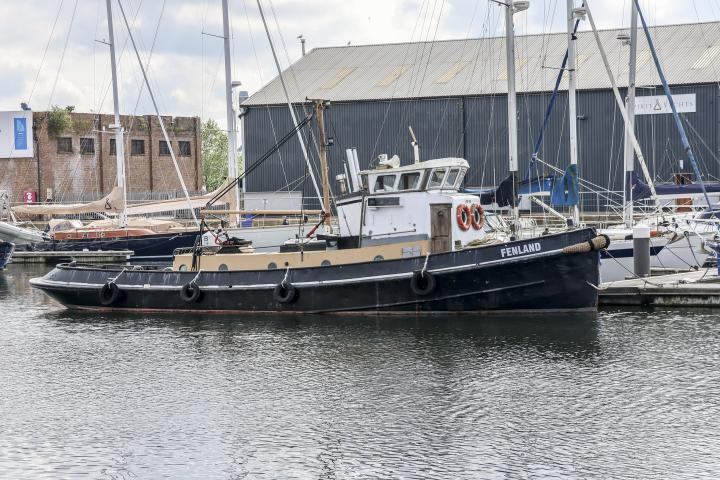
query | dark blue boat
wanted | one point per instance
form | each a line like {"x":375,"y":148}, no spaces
{"x":6,"y":251}
{"x":155,"y":247}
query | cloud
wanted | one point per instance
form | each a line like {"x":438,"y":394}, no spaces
{"x":187,"y":70}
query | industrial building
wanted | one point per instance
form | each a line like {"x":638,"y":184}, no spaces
{"x":78,"y":163}
{"x":453,"y":95}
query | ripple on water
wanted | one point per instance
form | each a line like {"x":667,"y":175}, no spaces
{"x":618,"y":395}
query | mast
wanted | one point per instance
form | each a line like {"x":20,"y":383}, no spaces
{"x":320,"y":116}
{"x":117,"y":126}
{"x":572,"y":97}
{"x":229,"y":109}
{"x":671,"y":101}
{"x":511,"y":98}
{"x":620,"y":103}
{"x":629,"y":152}
{"x":289,"y":104}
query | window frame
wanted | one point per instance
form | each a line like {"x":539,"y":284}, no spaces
{"x":442,"y":180}
{"x":112,"y":148}
{"x":63,"y":139}
{"x":385,"y":186}
{"x":137,"y":141}
{"x":160,"y":148}
{"x":180,"y":148}
{"x":84,"y":143}
{"x":418,"y":184}
{"x":447,"y":186}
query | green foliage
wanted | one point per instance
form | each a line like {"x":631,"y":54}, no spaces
{"x":214,"y":154}
{"x":59,"y":120}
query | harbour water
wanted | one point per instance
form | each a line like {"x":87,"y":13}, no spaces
{"x":621,"y":394}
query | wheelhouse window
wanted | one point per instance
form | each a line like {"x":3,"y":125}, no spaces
{"x":436,"y":178}
{"x":384,"y":183}
{"x":409,"y":181}
{"x":452,"y":177}
{"x":64,"y":145}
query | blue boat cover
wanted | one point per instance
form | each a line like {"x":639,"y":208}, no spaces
{"x":565,"y":191}
{"x":638,"y":190}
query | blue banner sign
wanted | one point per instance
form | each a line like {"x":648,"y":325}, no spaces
{"x":20,"y":126}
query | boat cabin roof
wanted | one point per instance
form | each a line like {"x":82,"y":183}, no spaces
{"x":437,"y":174}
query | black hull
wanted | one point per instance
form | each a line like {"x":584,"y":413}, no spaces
{"x":474,"y":280}
{"x":159,"y":246}
{"x":6,"y":251}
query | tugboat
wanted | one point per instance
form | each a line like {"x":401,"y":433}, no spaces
{"x":410,"y":243}
{"x":6,"y":251}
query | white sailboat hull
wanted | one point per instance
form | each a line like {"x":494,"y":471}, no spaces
{"x":19,"y":235}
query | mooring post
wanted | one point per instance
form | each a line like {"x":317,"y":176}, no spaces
{"x":641,"y":251}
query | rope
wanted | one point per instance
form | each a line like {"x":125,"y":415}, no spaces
{"x":196,"y":277}
{"x":113,"y":280}
{"x":284,"y":280}
{"x":424,"y":269}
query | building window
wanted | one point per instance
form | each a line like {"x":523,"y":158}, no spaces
{"x":64,"y":145}
{"x":87,"y":146}
{"x":184,"y":148}
{"x":164,"y":148}
{"x":113,"y":147}
{"x":137,"y":147}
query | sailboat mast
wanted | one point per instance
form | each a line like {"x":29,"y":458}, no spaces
{"x":311,"y":174}
{"x":117,"y":126}
{"x":572,"y":97}
{"x":671,"y":101}
{"x":629,"y":150}
{"x":511,"y":99}
{"x":229,"y":109}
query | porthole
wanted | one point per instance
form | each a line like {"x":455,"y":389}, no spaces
{"x":325,"y":263}
{"x":223,"y":268}
{"x":182,"y":268}
{"x":378,"y":258}
{"x":272,"y":266}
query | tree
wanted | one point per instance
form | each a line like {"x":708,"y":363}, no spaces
{"x":59,"y":120}
{"x":214,"y":154}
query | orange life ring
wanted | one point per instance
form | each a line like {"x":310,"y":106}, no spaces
{"x":464,"y":218}
{"x":477,"y":216}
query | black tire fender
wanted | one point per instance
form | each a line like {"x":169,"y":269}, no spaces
{"x":284,"y":292}
{"x":190,"y":293}
{"x":109,"y":294}
{"x":422,"y":283}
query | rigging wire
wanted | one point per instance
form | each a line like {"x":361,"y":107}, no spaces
{"x":62,"y":56}
{"x":44,"y":55}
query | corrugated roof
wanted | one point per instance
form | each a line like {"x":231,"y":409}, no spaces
{"x":689,"y":54}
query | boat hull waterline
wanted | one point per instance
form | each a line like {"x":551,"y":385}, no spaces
{"x":529,"y":275}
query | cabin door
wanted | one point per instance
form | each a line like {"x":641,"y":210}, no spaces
{"x":440,"y":227}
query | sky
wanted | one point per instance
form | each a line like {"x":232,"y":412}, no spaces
{"x":52,"y":51}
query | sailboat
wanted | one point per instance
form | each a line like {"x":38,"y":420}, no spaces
{"x":148,"y":239}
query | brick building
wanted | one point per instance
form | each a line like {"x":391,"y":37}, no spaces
{"x":80,"y":164}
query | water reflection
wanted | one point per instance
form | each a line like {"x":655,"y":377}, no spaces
{"x":615,"y":395}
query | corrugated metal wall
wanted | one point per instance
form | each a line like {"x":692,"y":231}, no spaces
{"x":475,"y":128}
